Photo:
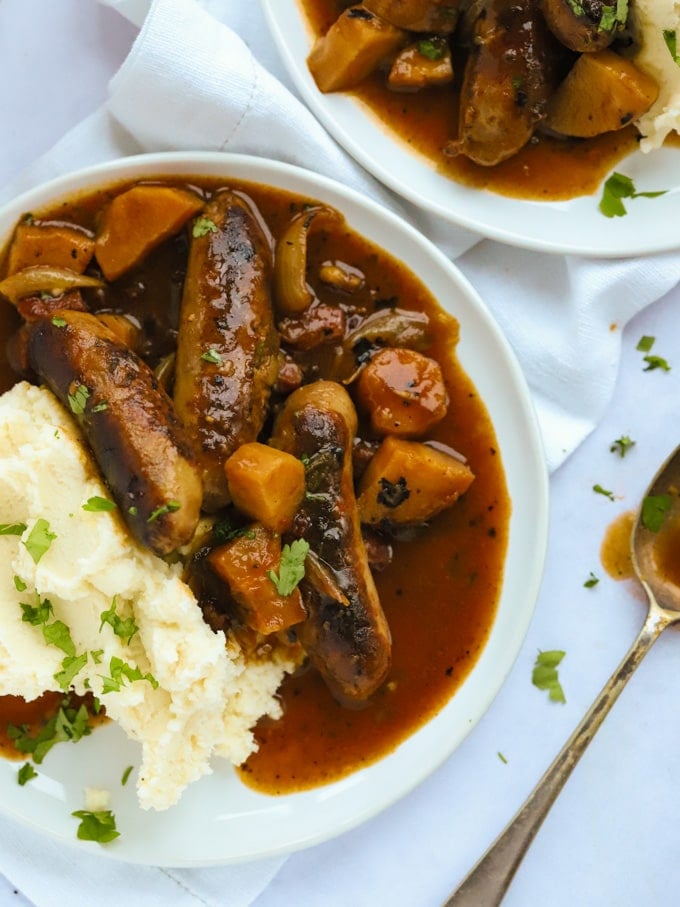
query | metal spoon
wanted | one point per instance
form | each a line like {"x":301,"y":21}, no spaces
{"x":489,"y":880}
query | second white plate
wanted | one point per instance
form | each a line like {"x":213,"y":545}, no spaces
{"x":572,"y":227}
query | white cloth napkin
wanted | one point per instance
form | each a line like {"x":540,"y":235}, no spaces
{"x":205,"y":76}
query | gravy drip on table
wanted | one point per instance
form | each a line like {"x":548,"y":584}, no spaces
{"x":440,"y":590}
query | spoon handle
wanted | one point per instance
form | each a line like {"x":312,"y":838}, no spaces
{"x":489,"y":880}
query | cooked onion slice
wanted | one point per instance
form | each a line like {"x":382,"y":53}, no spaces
{"x":44,"y":279}
{"x":291,"y":291}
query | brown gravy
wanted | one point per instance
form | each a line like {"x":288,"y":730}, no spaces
{"x":547,"y":169}
{"x":615,"y":550}
{"x":440,"y":593}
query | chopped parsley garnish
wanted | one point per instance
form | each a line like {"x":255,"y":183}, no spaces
{"x":432,"y":48}
{"x":12,"y":528}
{"x":613,"y":16}
{"x":133,"y":510}
{"x":170,"y":507}
{"x":59,"y":322}
{"x":203,"y":226}
{"x":671,"y":39}
{"x":617,"y":187}
{"x":39,"y":540}
{"x":100,"y":407}
{"x":68,"y":724}
{"x":58,"y":634}
{"x":225,"y":531}
{"x":212,"y":356}
{"x":78,"y":399}
{"x":656,"y":362}
{"x":655,"y":508}
{"x":591,"y":581}
{"x":70,"y":666}
{"x":125,"y":628}
{"x":26,"y":773}
{"x":19,"y":584}
{"x":502,"y":758}
{"x":645,"y":343}
{"x":598,"y":489}
{"x":120,"y":672}
{"x":97,"y":504}
{"x":622,"y":445}
{"x":37,"y":614}
{"x":99,"y":826}
{"x":126,"y":775}
{"x":545,"y":677}
{"x":291,"y":568}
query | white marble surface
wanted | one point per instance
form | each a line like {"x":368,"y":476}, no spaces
{"x":610,"y":838}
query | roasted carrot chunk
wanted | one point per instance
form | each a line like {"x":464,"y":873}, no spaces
{"x":403,"y":392}
{"x":137,"y":221}
{"x":49,"y":244}
{"x":266,"y":484}
{"x":244,"y":565}
{"x":409,"y":482}
{"x":352,"y":48}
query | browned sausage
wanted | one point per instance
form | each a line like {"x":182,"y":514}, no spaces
{"x":227,"y":345}
{"x":507,"y":81}
{"x":128,"y":419}
{"x":346,"y":634}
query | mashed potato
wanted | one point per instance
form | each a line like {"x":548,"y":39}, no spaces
{"x":650,"y":18}
{"x":207,"y":697}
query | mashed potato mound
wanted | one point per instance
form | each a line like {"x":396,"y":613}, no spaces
{"x":208,"y":695}
{"x":650,"y":18}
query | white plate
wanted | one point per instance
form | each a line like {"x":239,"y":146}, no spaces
{"x":572,"y":227}
{"x":218,"y":819}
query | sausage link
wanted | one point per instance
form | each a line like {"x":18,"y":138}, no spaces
{"x":137,"y":440}
{"x":227,"y":345}
{"x":348,"y":640}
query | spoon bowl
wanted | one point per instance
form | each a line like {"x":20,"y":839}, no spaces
{"x":656,"y":530}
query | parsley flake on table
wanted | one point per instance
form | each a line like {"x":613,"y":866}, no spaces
{"x":591,"y":581}
{"x":622,"y":445}
{"x":39,"y":540}
{"x":656,"y":362}
{"x":617,"y":187}
{"x":124,"y":627}
{"x":98,"y":504}
{"x":203,"y":226}
{"x":598,"y":489}
{"x":655,"y":508}
{"x":99,"y":826}
{"x":126,"y":775}
{"x":78,"y":399}
{"x":502,"y":758}
{"x":545,"y":676}
{"x":26,"y":773}
{"x":291,"y":568}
